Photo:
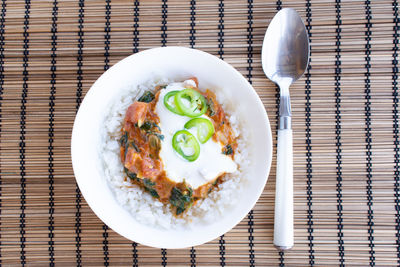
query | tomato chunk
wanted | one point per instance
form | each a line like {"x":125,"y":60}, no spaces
{"x":136,"y":113}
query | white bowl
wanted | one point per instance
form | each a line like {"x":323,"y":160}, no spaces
{"x":176,"y":63}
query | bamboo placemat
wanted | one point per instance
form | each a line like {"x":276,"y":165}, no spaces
{"x":345,"y":120}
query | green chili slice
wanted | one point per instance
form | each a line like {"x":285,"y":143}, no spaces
{"x":186,"y":145}
{"x":170,"y":105}
{"x":191,"y":103}
{"x":205,"y":128}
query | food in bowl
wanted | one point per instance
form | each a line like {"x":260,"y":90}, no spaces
{"x":126,"y":208}
{"x":173,"y":153}
{"x":177,"y":144}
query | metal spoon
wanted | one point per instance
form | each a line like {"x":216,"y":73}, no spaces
{"x":285,"y":55}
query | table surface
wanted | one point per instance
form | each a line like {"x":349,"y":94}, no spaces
{"x":345,"y":121}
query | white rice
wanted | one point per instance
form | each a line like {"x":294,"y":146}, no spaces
{"x":144,"y":208}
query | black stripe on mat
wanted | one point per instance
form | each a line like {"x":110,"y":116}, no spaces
{"x":135,"y":254}
{"x":277,"y":96}
{"x":338,"y":71}
{"x":222,"y":250}
{"x":136,"y":27}
{"x":250,"y":216}
{"x":221,"y":29}
{"x":78,"y":196}
{"x":368,"y":133}
{"x":107,"y":37}
{"x":310,"y":221}
{"x":192,"y":37}
{"x":164,"y":257}
{"x":278,"y":5}
{"x":192,"y":257}
{"x":221,"y":56}
{"x":135,"y":50}
{"x":51,"y":130}
{"x":2,"y":25}
{"x":395,"y":71}
{"x":164,"y":15}
{"x":24,"y":95}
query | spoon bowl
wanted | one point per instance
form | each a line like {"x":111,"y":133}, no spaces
{"x":285,"y":49}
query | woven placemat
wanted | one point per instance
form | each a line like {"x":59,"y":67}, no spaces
{"x":345,"y":120}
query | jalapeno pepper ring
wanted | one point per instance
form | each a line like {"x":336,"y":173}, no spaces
{"x":190,"y":103}
{"x":186,"y":145}
{"x":205,"y":128}
{"x":170,"y":105}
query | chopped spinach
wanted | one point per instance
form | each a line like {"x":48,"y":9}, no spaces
{"x":160,"y":136}
{"x":213,"y":185}
{"x":227,"y":150}
{"x":215,"y":181}
{"x":211,"y":107}
{"x":190,"y":190}
{"x":124,"y":141}
{"x":147,"y":97}
{"x":148,"y":125}
{"x":149,"y":187}
{"x":132,"y":143}
{"x":181,"y":200}
{"x":148,"y":183}
{"x":124,"y":138}
{"x":153,"y":193}
{"x":131,"y":175}
{"x":179,"y":210}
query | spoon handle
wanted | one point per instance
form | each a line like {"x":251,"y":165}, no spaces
{"x":283,"y":226}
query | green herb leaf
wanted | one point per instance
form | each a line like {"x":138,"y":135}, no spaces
{"x":159,"y":136}
{"x":147,"y":125}
{"x":179,"y":210}
{"x":147,"y":97}
{"x":153,"y":193}
{"x":155,"y":125}
{"x":227,"y":150}
{"x":213,"y":185}
{"x":149,"y":187}
{"x":132,"y":143}
{"x":131,"y":175}
{"x":211,"y":107}
{"x":176,"y":198}
{"x":148,"y":183}
{"x":180,"y":200}
{"x":215,"y":181}
{"x":190,"y":190}
{"x":124,"y":138}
